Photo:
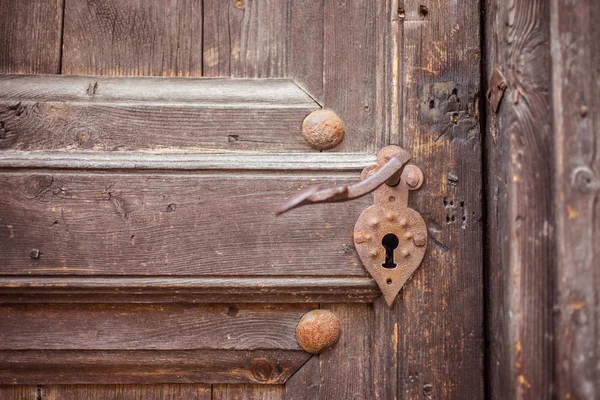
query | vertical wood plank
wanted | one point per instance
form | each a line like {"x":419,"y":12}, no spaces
{"x":18,"y":392}
{"x":138,"y":37}
{"x":30,"y":36}
{"x":306,"y":46}
{"x":389,"y":67}
{"x":126,"y":392}
{"x":345,"y":368}
{"x":440,"y":310}
{"x":520,"y":210}
{"x":305,"y":384}
{"x":248,"y":392}
{"x":385,"y":351}
{"x":245,"y":38}
{"x":349,"y":70}
{"x":575,"y":87}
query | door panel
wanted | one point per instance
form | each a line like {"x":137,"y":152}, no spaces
{"x":122,"y":191}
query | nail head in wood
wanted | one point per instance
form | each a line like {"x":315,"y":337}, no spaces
{"x":317,"y":330}
{"x":323,"y":129}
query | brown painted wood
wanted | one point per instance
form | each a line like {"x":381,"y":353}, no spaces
{"x":345,"y":371}
{"x":349,"y":70}
{"x":150,"y":327}
{"x":247,"y":392}
{"x":194,"y":225}
{"x":519,"y":161}
{"x":151,"y":114}
{"x":576,"y":113}
{"x":246,"y":38}
{"x":140,"y":37}
{"x":149,"y":366}
{"x":30,"y":36}
{"x":126,"y":392}
{"x":19,"y":392}
{"x":440,"y":310}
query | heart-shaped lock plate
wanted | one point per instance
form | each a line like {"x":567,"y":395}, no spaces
{"x":391,"y":238}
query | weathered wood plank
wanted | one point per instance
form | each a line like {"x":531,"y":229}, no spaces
{"x":306,"y":43}
{"x":126,"y":392}
{"x":246,"y":38}
{"x":165,"y":224}
{"x":151,"y":114}
{"x":39,"y":289}
{"x":345,"y":368}
{"x":520,"y":206}
{"x":440,"y":310}
{"x":390,"y":18}
{"x":575,"y":87}
{"x":149,"y":327}
{"x":138,"y":37}
{"x":19,"y":392}
{"x":349,"y":83}
{"x":305,"y":384}
{"x":240,"y":162}
{"x":148,"y":367}
{"x":248,"y":392}
{"x":30,"y":36}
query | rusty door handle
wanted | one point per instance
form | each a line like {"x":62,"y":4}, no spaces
{"x":389,"y":173}
{"x":389,"y":237}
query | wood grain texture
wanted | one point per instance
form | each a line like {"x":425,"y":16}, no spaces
{"x":149,"y":367}
{"x":349,"y":83}
{"x":140,"y":37}
{"x":30,"y":36}
{"x":305,"y":384}
{"x":247,"y":392}
{"x":519,"y":161}
{"x":30,"y":289}
{"x":440,"y":310}
{"x":18,"y":392}
{"x":306,"y":42}
{"x":245,"y":38}
{"x":389,"y":64}
{"x":166,"y":224}
{"x":576,"y":107}
{"x":345,"y":368}
{"x":332,"y":164}
{"x":151,"y":114}
{"x":150,"y":327}
{"x":126,"y":392}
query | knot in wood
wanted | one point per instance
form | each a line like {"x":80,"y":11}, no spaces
{"x":318,"y":330}
{"x":323,"y":129}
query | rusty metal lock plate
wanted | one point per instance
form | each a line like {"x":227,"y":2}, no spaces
{"x":391,"y":238}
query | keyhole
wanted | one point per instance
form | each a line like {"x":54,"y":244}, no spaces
{"x":389,"y":242}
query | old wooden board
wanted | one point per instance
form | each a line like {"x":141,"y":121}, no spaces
{"x":151,"y":114}
{"x":440,"y":310}
{"x":519,"y":163}
{"x":140,"y":37}
{"x":30,"y":36}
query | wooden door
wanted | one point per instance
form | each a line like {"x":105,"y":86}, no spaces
{"x":140,"y":254}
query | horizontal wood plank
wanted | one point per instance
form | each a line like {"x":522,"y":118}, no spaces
{"x":238,"y":162}
{"x":166,"y":224}
{"x":38,"y":289}
{"x":160,"y":114}
{"x":147,"y":367}
{"x":126,"y":392}
{"x":150,"y":327}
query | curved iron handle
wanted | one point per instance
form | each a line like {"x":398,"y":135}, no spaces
{"x":389,"y":173}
